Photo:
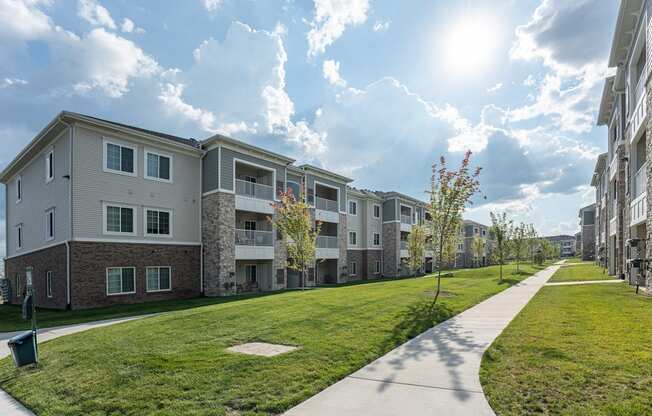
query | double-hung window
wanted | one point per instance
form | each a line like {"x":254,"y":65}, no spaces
{"x":120,"y":280}
{"x":49,"y":166}
{"x":19,"y":189}
{"x":119,"y":219}
{"x":353,"y":208}
{"x":251,"y":273}
{"x":158,"y":222}
{"x":376,"y":239}
{"x":377,"y":267}
{"x":119,"y":158}
{"x":353,"y":238}
{"x":19,"y":236}
{"x":376,"y":211}
{"x":48,"y":284}
{"x":354,"y":268}
{"x":159,"y":279}
{"x":49,"y":224}
{"x":158,"y":166}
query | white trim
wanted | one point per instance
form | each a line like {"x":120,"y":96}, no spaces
{"x":147,"y":289}
{"x":19,"y":189}
{"x":105,"y":142}
{"x":391,"y":221}
{"x":121,"y":269}
{"x":256,"y":165}
{"x":135,"y":241}
{"x":373,"y":239}
{"x":170,"y":225}
{"x":49,"y":165}
{"x":23,"y":253}
{"x":248,"y":150}
{"x":134,"y":216}
{"x":314,"y":194}
{"x":364,"y":248}
{"x":214,"y":191}
{"x":48,"y":283}
{"x":48,"y":212}
{"x":373,"y":211}
{"x":150,"y":151}
{"x":354,"y":244}
{"x":348,"y":207}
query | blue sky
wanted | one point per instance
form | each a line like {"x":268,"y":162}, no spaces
{"x":376,"y":90}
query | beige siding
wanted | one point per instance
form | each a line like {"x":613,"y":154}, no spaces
{"x":92,"y":187}
{"x":39,"y":197}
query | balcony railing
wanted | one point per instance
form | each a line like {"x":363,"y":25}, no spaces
{"x":639,"y":92}
{"x":640,"y":180}
{"x":327,"y":241}
{"x":254,"y":238}
{"x":326,"y":204}
{"x":404,"y":245}
{"x":254,"y":190}
{"x":406,"y":219}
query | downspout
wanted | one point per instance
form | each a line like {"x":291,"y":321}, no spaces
{"x":201,"y":224}
{"x":68,"y":260}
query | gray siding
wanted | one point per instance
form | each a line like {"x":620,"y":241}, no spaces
{"x":39,"y":197}
{"x":92,"y":186}
{"x":389,"y":210}
{"x":310,"y":182}
{"x":356,"y":223}
{"x":210,"y":171}
{"x":227,"y":164}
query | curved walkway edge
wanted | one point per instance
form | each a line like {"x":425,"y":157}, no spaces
{"x":436,"y":373}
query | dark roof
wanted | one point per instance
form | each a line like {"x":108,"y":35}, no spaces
{"x":165,"y":136}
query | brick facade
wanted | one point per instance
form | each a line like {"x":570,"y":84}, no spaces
{"x":391,"y":243}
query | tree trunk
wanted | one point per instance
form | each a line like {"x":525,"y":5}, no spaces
{"x":501,"y":271}
{"x":441,"y":259}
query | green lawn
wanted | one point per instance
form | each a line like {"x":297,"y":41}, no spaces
{"x":576,"y":351}
{"x":576,"y":272}
{"x":176,"y":363}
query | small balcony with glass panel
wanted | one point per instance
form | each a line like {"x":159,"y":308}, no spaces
{"x":254,"y":187}
{"x":254,"y":237}
{"x":328,"y":241}
{"x":407,"y":218}
{"x":327,"y":203}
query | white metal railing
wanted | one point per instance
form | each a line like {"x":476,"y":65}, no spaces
{"x":640,"y":180}
{"x":327,"y":241}
{"x":254,"y":190}
{"x":406,"y":219}
{"x":253,"y":238}
{"x":613,"y":167}
{"x":404,"y":245}
{"x":639,"y":91}
{"x":326,"y":204}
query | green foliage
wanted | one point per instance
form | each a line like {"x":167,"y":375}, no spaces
{"x":416,"y":248}
{"x":501,"y":230}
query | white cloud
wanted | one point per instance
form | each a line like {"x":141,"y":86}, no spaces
{"x":95,"y":14}
{"x":331,"y":70}
{"x":128,"y":26}
{"x":381,"y":26}
{"x":495,"y":87}
{"x":331,"y":17}
{"x":10,"y":82}
{"x":23,"y":20}
{"x":529,"y":81}
{"x":212,"y":5}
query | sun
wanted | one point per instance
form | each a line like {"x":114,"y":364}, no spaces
{"x":470,"y":44}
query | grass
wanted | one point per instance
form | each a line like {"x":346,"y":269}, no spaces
{"x":574,"y":350}
{"x":577,"y":272}
{"x":177,"y":364}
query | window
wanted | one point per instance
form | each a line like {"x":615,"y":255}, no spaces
{"x":49,"y":166}
{"x":19,"y":189}
{"x":119,"y":159}
{"x":119,"y":220}
{"x":19,"y":286}
{"x":158,"y":222}
{"x":295,"y":188}
{"x":48,"y":284}
{"x":353,"y":238}
{"x":159,"y":279}
{"x":120,"y":280}
{"x":377,"y":267}
{"x":376,"y":211}
{"x":250,"y":225}
{"x":251,"y":273}
{"x":353,"y":208}
{"x":19,"y":233}
{"x":49,"y":224}
{"x":159,"y":166}
{"x":376,"y":239}
{"x":354,"y":268}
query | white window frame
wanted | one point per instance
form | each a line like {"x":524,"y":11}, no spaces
{"x":121,"y":269}
{"x":147,"y":269}
{"x":354,"y":203}
{"x":19,"y":189}
{"x":354,"y":268}
{"x":355,"y":237}
{"x":374,"y":211}
{"x":159,"y":154}
{"x":146,"y":233}
{"x":105,"y":155}
{"x":105,"y":230}
{"x":49,"y":166}
{"x":374,"y":239}
{"x":379,"y":267}
{"x":48,"y":213}
{"x":48,"y":283}
{"x":19,"y":237}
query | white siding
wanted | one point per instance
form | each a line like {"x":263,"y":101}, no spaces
{"x":92,"y":186}
{"x":39,"y":197}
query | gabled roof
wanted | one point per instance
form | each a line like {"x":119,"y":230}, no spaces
{"x":219,"y":138}
{"x":628,"y":15}
{"x":394,"y":194}
{"x":323,"y":172}
{"x":607,"y":102}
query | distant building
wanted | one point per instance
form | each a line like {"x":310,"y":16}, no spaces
{"x":587,"y":232}
{"x":565,"y":243}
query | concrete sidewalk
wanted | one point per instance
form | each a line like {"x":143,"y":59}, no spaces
{"x":584,"y":282}
{"x":11,"y":407}
{"x":436,"y":373}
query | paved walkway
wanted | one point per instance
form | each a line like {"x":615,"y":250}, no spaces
{"x":436,"y":373}
{"x":8,"y":405}
{"x":584,"y":282}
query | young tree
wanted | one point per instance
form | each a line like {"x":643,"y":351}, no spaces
{"x":478,"y":249}
{"x":532,"y":241}
{"x":501,"y":230}
{"x":450,"y":193}
{"x":295,"y":224}
{"x":519,"y":243}
{"x":416,"y":248}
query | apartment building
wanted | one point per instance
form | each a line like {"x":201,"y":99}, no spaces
{"x":623,"y":110}
{"x":564,"y":243}
{"x":585,"y":239}
{"x":467,"y":256}
{"x":599,"y":181}
{"x":365,"y":234}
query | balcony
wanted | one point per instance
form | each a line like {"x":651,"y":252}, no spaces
{"x":613,"y":167}
{"x":327,"y":203}
{"x":404,"y":245}
{"x":406,"y":222}
{"x":254,"y":190}
{"x":638,"y":206}
{"x":637,"y":117}
{"x":327,"y":241}
{"x":254,"y":245}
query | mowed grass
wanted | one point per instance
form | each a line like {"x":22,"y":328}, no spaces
{"x":577,"y":272}
{"x":574,"y":350}
{"x":176,"y":363}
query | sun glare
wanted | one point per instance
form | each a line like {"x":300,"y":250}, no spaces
{"x":470,"y":44}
